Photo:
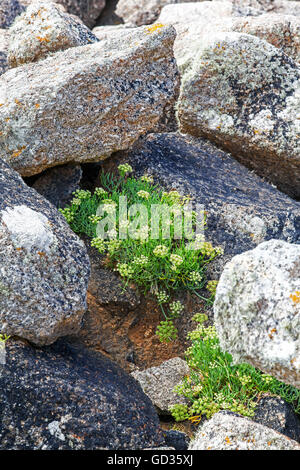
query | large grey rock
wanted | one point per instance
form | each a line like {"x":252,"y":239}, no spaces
{"x":9,"y":10}
{"x":242,"y":209}
{"x":44,"y":28}
{"x":243,"y":94}
{"x":257,"y":309}
{"x":158,"y":383}
{"x":44,"y":267}
{"x":87,"y":10}
{"x":226,"y":431}
{"x":3,"y":51}
{"x":66,"y":397}
{"x":194,"y":22}
{"x":87,"y":102}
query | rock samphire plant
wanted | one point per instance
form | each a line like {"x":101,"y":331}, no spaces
{"x":160,"y":258}
{"x":216,"y":383}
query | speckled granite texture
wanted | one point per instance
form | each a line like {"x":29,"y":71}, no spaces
{"x":44,"y":266}
{"x":87,"y":102}
{"x":243,"y":94}
{"x":257,"y":309}
{"x":43,"y":29}
{"x":66,"y":397}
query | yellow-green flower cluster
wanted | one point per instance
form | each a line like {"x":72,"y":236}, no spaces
{"x":76,"y":201}
{"x":172,"y":196}
{"x":141,"y":260}
{"x":147,"y":179}
{"x":100,"y":192}
{"x":176,"y":308}
{"x":143,"y":194}
{"x":204,"y":333}
{"x":142,"y":233}
{"x":109,"y":206}
{"x":267,"y":378}
{"x":166,"y":331}
{"x":161,"y":251}
{"x":211,"y":286}
{"x":176,"y":261}
{"x":200,"y":317}
{"x":113,"y":246}
{"x":68,"y":214}
{"x":244,"y":379}
{"x":124,"y":169}
{"x":162,"y":297}
{"x":82,"y":194}
{"x":98,"y":243}
{"x":195,"y":277}
{"x":125,"y":270}
{"x":94,"y":219}
{"x":180,"y":412}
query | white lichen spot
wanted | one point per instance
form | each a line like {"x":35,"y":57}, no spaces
{"x":280,"y":351}
{"x":55,"y":430}
{"x":262,"y":122}
{"x":28,"y":229}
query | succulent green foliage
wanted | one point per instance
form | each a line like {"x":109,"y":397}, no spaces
{"x":151,"y":263}
{"x":216,"y":384}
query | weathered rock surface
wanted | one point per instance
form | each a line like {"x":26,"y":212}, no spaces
{"x":203,"y":11}
{"x":143,"y":11}
{"x":158,"y":383}
{"x":44,"y":267}
{"x":243,"y":94}
{"x":242,"y":209}
{"x":283,"y":31}
{"x":227,"y":431}
{"x":87,"y":102}
{"x":275,"y":413}
{"x":105,"y":32}
{"x":9,"y":10}
{"x":257,"y":309}
{"x":3,"y":51}
{"x":257,"y":7}
{"x":87,"y":10}
{"x":57,"y":184}
{"x":194,"y":22}
{"x":44,"y":28}
{"x":66,"y":397}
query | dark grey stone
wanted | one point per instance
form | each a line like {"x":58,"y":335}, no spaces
{"x":9,"y":10}
{"x":278,"y":415}
{"x":66,"y":397}
{"x":57,"y":184}
{"x":178,"y":440}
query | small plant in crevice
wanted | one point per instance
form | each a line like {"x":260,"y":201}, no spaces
{"x":3,"y":339}
{"x":216,"y":383}
{"x":148,"y":237}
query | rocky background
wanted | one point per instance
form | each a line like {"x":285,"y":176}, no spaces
{"x":204,"y":96}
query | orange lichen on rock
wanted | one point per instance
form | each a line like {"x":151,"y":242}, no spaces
{"x":295,"y":297}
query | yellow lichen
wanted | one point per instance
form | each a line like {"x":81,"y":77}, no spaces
{"x":18,"y":152}
{"x":155,"y":27}
{"x":295,"y":297}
